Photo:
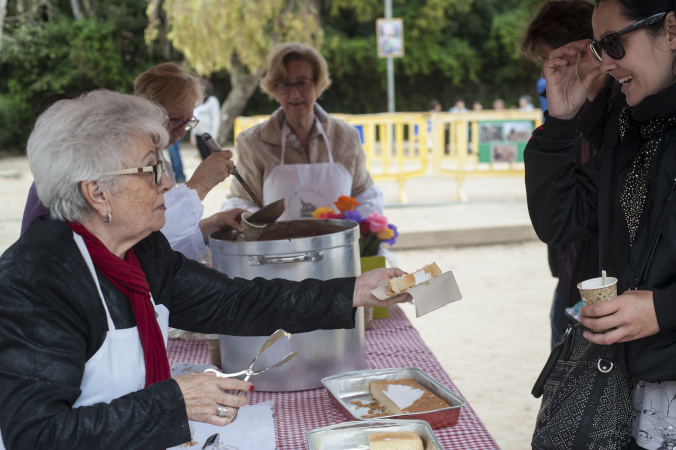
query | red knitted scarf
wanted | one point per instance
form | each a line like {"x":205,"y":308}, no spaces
{"x":128,"y":276}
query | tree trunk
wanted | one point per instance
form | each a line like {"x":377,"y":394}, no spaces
{"x":243,"y":85}
{"x":3,"y":13}
{"x":75,"y":6}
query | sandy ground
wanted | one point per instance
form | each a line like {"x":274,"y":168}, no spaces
{"x":494,"y":342}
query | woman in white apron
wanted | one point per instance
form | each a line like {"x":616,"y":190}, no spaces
{"x":86,"y":293}
{"x":301,"y":153}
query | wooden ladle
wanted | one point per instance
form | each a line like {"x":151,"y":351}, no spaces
{"x":266,"y":214}
{"x":269,"y":213}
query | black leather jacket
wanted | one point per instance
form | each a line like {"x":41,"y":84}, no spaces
{"x":52,"y":321}
{"x":568,"y":204}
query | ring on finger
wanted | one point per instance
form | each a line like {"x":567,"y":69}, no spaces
{"x":222,"y":411}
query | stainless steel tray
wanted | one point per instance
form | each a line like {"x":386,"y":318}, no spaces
{"x":354,"y":435}
{"x":348,"y":387}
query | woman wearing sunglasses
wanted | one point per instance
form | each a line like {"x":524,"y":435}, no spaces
{"x":87,"y":293}
{"x":622,"y":197}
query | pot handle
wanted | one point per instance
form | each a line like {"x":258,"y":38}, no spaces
{"x":260,"y":260}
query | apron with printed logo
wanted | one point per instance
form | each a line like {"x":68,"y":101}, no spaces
{"x":306,"y":187}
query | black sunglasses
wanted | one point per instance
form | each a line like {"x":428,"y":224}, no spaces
{"x":611,"y":43}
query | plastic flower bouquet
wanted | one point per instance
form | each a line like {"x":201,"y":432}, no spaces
{"x":373,"y":229}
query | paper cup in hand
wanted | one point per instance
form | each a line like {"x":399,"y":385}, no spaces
{"x":593,"y":291}
{"x":250,"y":231}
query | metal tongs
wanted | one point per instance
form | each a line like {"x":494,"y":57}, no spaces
{"x":249,"y":372}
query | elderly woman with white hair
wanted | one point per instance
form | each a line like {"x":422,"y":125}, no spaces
{"x":177,"y":91}
{"x":87,"y":293}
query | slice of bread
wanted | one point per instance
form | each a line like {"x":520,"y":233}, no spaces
{"x":395,"y":440}
{"x":400,"y":284}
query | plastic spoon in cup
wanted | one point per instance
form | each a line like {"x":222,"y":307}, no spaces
{"x":603,"y":278}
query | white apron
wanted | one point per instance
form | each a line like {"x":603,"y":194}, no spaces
{"x":306,"y":186}
{"x":117,"y":368}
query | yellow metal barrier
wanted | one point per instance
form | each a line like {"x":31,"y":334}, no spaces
{"x":397,"y":144}
{"x":459,"y":156}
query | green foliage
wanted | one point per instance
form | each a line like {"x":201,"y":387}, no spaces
{"x":210,"y":33}
{"x":453,"y":48}
{"x":8,"y":121}
{"x":46,"y":51}
{"x":41,"y":59}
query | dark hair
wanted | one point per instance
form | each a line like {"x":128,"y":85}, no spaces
{"x":640,"y":9}
{"x":558,"y":23}
{"x":434,"y":103}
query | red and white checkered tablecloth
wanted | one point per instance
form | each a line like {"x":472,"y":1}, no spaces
{"x":392,"y":342}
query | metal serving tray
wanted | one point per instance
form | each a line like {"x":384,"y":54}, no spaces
{"x":348,"y":387}
{"x":354,"y":435}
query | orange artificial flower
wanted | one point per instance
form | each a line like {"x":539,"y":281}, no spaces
{"x":346,"y":203}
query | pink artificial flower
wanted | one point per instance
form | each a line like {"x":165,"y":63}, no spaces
{"x":377,"y":222}
{"x":331,"y":215}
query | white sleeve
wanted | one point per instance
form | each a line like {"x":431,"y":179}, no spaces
{"x":239,"y":202}
{"x":371,"y":200}
{"x":216,"y":119}
{"x":182,"y":226}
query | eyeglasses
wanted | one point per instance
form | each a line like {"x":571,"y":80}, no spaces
{"x":157,"y":169}
{"x":178,"y":123}
{"x":302,"y":85}
{"x":611,"y":43}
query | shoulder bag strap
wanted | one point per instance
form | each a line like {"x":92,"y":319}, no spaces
{"x":647,"y":255}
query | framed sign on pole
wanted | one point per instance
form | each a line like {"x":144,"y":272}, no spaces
{"x":390,"y":34}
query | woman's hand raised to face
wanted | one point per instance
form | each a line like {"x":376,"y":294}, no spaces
{"x":368,"y":281}
{"x":566,"y":92}
{"x":216,"y":168}
{"x":203,"y":393}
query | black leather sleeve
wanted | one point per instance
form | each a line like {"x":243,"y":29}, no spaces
{"x":562,"y":200}
{"x":204,"y":300}
{"x":52,"y":321}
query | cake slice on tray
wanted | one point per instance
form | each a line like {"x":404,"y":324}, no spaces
{"x":405,"y":397}
{"x":395,"y":440}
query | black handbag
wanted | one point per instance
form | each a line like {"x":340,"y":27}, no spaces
{"x":585,"y":387}
{"x":586,"y":401}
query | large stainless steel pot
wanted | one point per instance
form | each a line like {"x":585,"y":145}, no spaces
{"x":294,"y":250}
